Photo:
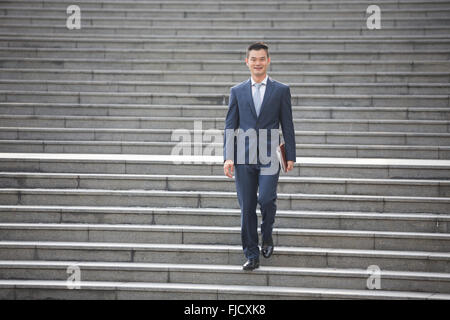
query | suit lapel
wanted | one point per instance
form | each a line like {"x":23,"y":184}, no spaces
{"x":250,"y":97}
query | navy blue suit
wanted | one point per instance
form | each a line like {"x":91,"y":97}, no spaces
{"x":275,"y":109}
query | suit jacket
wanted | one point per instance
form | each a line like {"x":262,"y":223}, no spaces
{"x":275,"y":109}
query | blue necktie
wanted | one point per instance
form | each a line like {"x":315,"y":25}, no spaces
{"x":257,"y":98}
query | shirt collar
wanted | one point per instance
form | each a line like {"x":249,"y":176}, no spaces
{"x":263,"y":82}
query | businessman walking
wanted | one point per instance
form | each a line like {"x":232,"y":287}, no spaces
{"x":255,"y":105}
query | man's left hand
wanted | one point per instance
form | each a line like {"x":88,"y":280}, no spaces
{"x":290,"y":165}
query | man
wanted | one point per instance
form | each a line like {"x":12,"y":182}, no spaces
{"x":255,"y":104}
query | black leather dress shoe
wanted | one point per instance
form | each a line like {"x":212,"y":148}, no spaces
{"x":267,"y":250}
{"x":251,"y":264}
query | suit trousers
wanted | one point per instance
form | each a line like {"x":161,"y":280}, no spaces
{"x":248,"y":179}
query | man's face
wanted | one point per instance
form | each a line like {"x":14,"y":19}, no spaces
{"x":257,"y":62}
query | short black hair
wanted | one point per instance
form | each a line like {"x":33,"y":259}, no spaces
{"x":258,"y":46}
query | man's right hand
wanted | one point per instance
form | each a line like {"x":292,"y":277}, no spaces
{"x":228,"y":168}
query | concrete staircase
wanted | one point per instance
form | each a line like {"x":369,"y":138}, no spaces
{"x":88,"y":178}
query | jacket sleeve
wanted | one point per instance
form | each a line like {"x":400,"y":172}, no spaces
{"x":231,"y":124}
{"x":287,"y":125}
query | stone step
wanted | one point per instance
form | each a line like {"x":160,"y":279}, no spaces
{"x":355,"y":279}
{"x":209,"y":235}
{"x":180,"y":54}
{"x":210,"y":165}
{"x":190,"y":87}
{"x":299,"y":257}
{"x":53,"y":41}
{"x":240,"y":13}
{"x":208,"y":123}
{"x":234,"y":5}
{"x":348,"y":186}
{"x":195,"y":54}
{"x":78,"y":34}
{"x":163,"y":76}
{"x":98,"y":290}
{"x":46,"y":135}
{"x":216,"y":199}
{"x":180,"y":148}
{"x":142,"y":110}
{"x":281,"y":33}
{"x":225,"y":65}
{"x":273,"y":22}
{"x":301,"y":219}
{"x":411,"y":101}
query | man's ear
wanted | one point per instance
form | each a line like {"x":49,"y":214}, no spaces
{"x":246,"y":61}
